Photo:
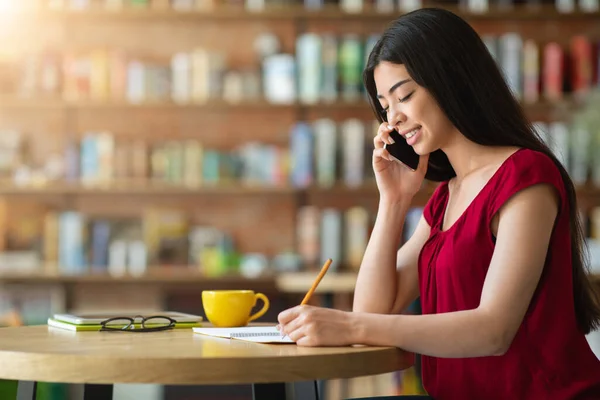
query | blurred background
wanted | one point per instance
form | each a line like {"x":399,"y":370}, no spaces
{"x":150,"y":149}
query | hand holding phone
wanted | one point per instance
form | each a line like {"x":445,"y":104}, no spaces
{"x":396,"y":180}
{"x":402,"y":151}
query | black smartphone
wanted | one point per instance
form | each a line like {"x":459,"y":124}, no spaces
{"x":402,"y":151}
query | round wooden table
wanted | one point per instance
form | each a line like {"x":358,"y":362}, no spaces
{"x":178,"y":357}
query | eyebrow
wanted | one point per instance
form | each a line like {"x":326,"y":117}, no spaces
{"x":394,"y":87}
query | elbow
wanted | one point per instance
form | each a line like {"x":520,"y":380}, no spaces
{"x":499,"y":350}
{"x":499,"y":335}
{"x":500,"y":342}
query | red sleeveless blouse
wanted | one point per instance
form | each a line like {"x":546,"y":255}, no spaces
{"x":549,"y":357}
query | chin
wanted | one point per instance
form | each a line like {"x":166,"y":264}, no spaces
{"x":423,"y":148}
{"x":420,"y":149}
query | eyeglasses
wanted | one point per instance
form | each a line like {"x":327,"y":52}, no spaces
{"x":145,"y":324}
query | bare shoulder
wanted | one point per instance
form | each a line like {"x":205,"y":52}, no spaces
{"x":541,"y":197}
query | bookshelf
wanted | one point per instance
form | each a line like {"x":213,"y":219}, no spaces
{"x":258,"y":216}
{"x":152,"y":32}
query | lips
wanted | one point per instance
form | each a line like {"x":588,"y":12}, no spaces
{"x":408,"y":133}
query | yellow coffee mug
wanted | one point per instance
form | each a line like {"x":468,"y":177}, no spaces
{"x":230,"y":308}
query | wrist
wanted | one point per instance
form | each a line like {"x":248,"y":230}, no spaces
{"x":358,"y":327}
{"x":400,"y":206}
{"x":377,"y":329}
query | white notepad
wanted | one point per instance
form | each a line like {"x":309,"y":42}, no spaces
{"x":258,"y":334}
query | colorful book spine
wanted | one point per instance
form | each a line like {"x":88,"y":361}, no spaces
{"x":302,"y":155}
{"x":553,"y":72}
{"x":356,"y":236}
{"x":329,"y":68}
{"x":307,"y":235}
{"x":531,"y":68}
{"x":582,"y":66}
{"x":100,"y":241}
{"x":511,"y":47}
{"x":353,"y":141}
{"x":71,"y":243}
{"x":325,"y":133}
{"x":309,"y":61}
{"x":350,"y":67}
{"x":331,"y":237}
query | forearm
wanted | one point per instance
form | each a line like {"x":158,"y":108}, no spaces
{"x":470,"y":333}
{"x":376,"y":283}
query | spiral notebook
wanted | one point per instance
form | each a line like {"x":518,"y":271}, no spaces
{"x":257,"y":334}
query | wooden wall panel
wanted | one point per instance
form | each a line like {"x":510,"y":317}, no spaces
{"x":230,"y":128}
{"x":258,"y":223}
{"x":161,"y":39}
{"x":220,"y":128}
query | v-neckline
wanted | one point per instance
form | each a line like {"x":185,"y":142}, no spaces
{"x":479,"y":194}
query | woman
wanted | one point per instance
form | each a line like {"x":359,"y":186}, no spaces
{"x":497,"y":258}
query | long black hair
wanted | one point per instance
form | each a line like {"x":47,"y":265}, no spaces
{"x":446,"y":56}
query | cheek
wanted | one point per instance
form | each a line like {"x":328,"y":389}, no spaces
{"x":436,"y":121}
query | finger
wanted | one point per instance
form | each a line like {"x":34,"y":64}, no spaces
{"x":293,"y":325}
{"x":288,"y":315}
{"x":296,"y":334}
{"x":379,"y":154}
{"x":378,"y":142}
{"x":305,"y":341}
{"x":383,"y":136}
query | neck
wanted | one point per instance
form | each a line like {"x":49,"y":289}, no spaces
{"x":466,"y":156}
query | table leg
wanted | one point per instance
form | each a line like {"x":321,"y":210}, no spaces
{"x":90,"y":391}
{"x":26,"y":390}
{"x":305,"y":390}
{"x":266,"y":391}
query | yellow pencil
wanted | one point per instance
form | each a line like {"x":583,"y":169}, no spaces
{"x":316,"y":282}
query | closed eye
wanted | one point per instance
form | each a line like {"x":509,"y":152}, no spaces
{"x":402,"y":100}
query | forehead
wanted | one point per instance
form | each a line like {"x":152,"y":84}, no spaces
{"x":387,"y":74}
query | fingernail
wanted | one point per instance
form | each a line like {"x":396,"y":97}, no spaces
{"x":392,"y":141}
{"x":390,"y":127}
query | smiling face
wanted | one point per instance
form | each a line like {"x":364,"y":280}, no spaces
{"x":411,"y":109}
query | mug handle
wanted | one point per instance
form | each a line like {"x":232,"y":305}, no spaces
{"x":264,"y":308}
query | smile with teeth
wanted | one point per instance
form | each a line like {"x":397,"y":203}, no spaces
{"x":411,"y":133}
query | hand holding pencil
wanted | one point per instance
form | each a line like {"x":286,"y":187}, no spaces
{"x":316,"y":326}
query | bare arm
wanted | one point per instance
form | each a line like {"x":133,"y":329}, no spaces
{"x":388,"y":278}
{"x":524,"y":230}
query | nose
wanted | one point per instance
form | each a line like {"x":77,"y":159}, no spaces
{"x":395,"y":116}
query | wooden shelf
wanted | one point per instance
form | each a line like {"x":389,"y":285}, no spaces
{"x":212,"y":105}
{"x":158,"y":275}
{"x":544,"y":13}
{"x":8,"y":188}
{"x":141,"y":188}
{"x":287,"y":282}
{"x":565,"y":106}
